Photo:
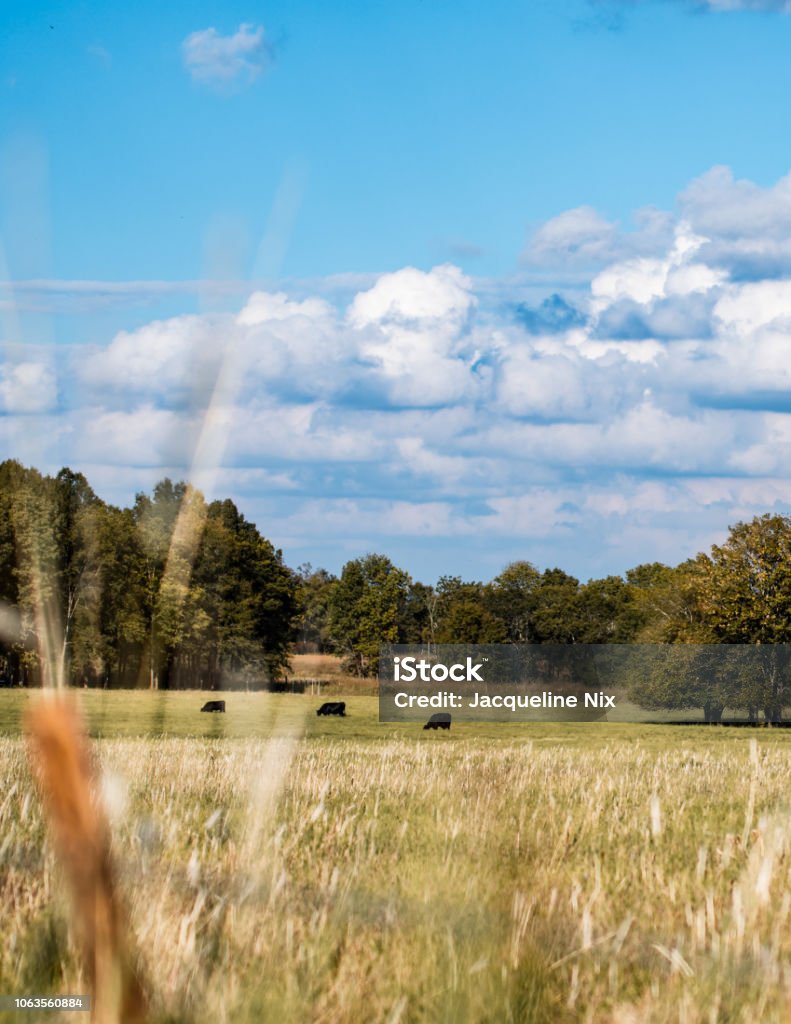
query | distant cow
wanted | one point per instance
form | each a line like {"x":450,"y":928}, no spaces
{"x":333,"y":707}
{"x":214,"y":705}
{"x":439,"y":721}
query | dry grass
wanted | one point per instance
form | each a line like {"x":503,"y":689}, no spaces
{"x":329,"y":667}
{"x":317,"y":666}
{"x":60,"y":757}
{"x":468,"y":880}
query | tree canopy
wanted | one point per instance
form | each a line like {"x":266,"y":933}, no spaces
{"x":172,"y":592}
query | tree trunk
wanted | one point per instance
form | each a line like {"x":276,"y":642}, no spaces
{"x":713,"y":712}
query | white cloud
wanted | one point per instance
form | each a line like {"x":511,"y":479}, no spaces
{"x":159,"y":358}
{"x":536,"y":514}
{"x":535,"y":384}
{"x":360,"y":517}
{"x":412,"y":329}
{"x":273,"y":341}
{"x":733,"y":224}
{"x":145,"y":436}
{"x":262,"y":307}
{"x":745,"y":308}
{"x":27,"y":387}
{"x":226,"y":61}
{"x":413,"y":296}
{"x":320,"y":387}
{"x":582,"y":237}
{"x":622,"y":424}
{"x":645,"y":279}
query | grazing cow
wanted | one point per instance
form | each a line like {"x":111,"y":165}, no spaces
{"x":333,"y":707}
{"x":214,"y":705}
{"x":439,"y":721}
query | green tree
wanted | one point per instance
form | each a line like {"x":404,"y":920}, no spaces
{"x":30,"y":554}
{"x":468,"y":622}
{"x":123,"y":622}
{"x":314,"y":588}
{"x":513,"y":597}
{"x":463,"y":615}
{"x":606,"y":612}
{"x":76,"y":516}
{"x":744,"y":585}
{"x":555,"y":619}
{"x":242,"y":606}
{"x":366,"y":610}
{"x":668,"y":603}
{"x":681,"y":676}
{"x":169,"y":592}
{"x":743,"y":590}
{"x":155,"y":519}
{"x":419,"y":623}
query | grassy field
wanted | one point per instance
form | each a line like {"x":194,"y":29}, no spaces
{"x":281,"y":867}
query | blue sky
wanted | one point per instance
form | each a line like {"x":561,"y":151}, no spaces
{"x":459,"y":282}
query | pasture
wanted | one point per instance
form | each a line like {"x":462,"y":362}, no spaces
{"x":279,"y":866}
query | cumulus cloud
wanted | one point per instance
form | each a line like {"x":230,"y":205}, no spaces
{"x":411,"y":296}
{"x":580,"y":235}
{"x":583,"y":237}
{"x":634,"y":420}
{"x":164,"y":357}
{"x":747,"y":228}
{"x":412,"y":330}
{"x":262,"y":307}
{"x":740,"y":228}
{"x":226,"y":62}
{"x":27,"y":387}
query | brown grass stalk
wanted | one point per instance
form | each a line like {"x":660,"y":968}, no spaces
{"x":60,"y":756}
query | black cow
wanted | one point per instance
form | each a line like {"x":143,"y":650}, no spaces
{"x":214,"y":705}
{"x":439,"y":721}
{"x":333,"y":707}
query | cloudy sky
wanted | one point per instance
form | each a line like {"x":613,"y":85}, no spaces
{"x":453,"y":281}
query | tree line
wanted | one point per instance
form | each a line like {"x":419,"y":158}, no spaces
{"x":173,"y":592}
{"x":179,"y":592}
{"x":738,"y":593}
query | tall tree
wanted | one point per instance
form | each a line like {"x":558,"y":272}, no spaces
{"x":30,"y":556}
{"x":556,"y":619}
{"x":76,"y":516}
{"x":745,"y":583}
{"x":367,"y":609}
{"x":606,"y":612}
{"x":464,"y":617}
{"x":155,"y":519}
{"x":744,"y":595}
{"x":314,"y":589}
{"x":420,"y":615}
{"x":170,"y":591}
{"x":681,"y":676}
{"x":512,"y":598}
